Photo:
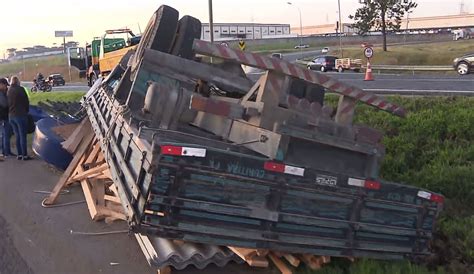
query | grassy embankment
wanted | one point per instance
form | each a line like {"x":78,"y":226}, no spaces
{"x":28,"y":68}
{"x":428,"y":54}
{"x":70,"y":96}
{"x":432,"y":148}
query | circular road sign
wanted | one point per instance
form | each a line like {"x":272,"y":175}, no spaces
{"x":368,"y":52}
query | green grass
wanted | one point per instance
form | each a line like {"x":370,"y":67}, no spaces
{"x":429,"y":54}
{"x":28,"y":68}
{"x":70,"y":96}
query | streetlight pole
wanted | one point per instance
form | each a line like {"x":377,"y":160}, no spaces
{"x":341,"y":29}
{"x":211,"y":21}
{"x":301,"y":26}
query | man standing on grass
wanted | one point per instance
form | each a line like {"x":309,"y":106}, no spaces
{"x":5,"y":128}
{"x":19,"y":105}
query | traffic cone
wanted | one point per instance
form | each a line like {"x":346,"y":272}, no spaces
{"x":368,"y":73}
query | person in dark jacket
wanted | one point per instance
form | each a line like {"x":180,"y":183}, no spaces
{"x":5,"y":128}
{"x":18,"y":107}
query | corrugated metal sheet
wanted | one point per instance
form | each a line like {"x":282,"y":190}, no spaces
{"x":161,"y":252}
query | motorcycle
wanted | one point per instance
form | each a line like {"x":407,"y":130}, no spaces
{"x":43,"y":86}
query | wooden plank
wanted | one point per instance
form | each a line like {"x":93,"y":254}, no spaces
{"x":90,"y":199}
{"x":112,"y":199}
{"x":284,"y":269}
{"x":244,"y":253}
{"x":93,"y":155}
{"x":65,"y":131}
{"x":164,"y":270}
{"x":250,"y":256}
{"x":63,"y":180}
{"x":292,"y":259}
{"x":258,"y":262}
{"x":90,"y":173}
{"x":72,"y":144}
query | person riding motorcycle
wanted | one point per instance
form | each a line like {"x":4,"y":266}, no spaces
{"x":39,"y":80}
{"x":40,"y":84}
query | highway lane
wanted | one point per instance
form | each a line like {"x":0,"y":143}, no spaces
{"x":411,"y":84}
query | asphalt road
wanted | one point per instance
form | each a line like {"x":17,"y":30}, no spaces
{"x":34,"y":239}
{"x":407,"y":84}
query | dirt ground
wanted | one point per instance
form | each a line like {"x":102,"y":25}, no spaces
{"x":34,"y":239}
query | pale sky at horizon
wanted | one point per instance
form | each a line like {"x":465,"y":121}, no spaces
{"x":31,"y":22}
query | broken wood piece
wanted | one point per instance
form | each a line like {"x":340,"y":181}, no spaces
{"x":90,"y":199}
{"x":90,"y":173}
{"x":292,"y":259}
{"x":164,"y":270}
{"x":284,"y":269}
{"x":250,"y":256}
{"x":63,"y":180}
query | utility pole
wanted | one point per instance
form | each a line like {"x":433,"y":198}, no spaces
{"x":211,"y":21}
{"x":341,"y":29}
{"x":301,"y":27}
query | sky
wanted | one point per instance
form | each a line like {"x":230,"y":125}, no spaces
{"x":33,"y":22}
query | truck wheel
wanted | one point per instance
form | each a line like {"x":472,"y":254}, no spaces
{"x":357,"y":70}
{"x":159,"y":33}
{"x":340,"y":69}
{"x":189,"y":28}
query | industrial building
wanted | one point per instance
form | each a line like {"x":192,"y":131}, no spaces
{"x":446,"y":22}
{"x":233,"y":31}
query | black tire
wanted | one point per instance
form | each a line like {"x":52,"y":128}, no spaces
{"x":48,"y":88}
{"x":463,"y":68}
{"x":357,"y":70}
{"x":340,"y":69}
{"x":323,"y":69}
{"x":34,"y":89}
{"x":189,"y":28}
{"x":159,"y":33}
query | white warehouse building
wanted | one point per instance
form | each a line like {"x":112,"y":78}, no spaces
{"x":233,"y":31}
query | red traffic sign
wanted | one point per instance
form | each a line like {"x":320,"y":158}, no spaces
{"x":368,"y":52}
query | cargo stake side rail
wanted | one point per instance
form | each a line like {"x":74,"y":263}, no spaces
{"x":285,"y":67}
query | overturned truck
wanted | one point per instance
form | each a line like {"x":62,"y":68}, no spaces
{"x":201,"y":153}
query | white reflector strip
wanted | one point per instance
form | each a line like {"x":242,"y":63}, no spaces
{"x":356,"y":182}
{"x":294,"y":170}
{"x":193,"y":152}
{"x":424,"y":194}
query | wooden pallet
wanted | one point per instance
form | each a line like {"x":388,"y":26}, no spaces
{"x":285,"y":262}
{"x":89,"y":169}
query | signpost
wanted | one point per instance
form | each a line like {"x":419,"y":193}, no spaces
{"x":242,"y":45}
{"x":369,"y":53}
{"x":63,"y":34}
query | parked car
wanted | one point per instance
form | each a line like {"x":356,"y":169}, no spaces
{"x":277,"y":55}
{"x":325,"y":50}
{"x":301,"y":46}
{"x":464,"y":65}
{"x":323,"y":63}
{"x":57,"y":79}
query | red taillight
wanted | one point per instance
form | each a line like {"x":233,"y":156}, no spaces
{"x":282,"y":168}
{"x":183,"y":151}
{"x":372,"y":185}
{"x":171,"y":150}
{"x":364,"y":183}
{"x":276,"y":167}
{"x":437,"y":198}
